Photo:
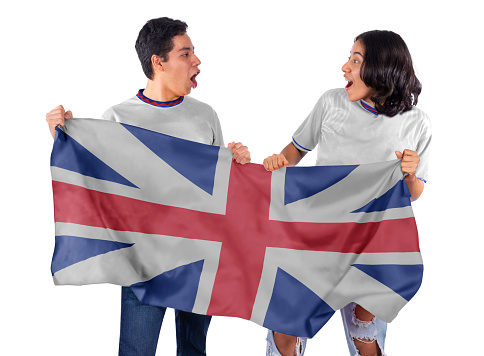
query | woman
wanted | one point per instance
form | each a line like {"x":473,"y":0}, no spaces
{"x":371,"y":120}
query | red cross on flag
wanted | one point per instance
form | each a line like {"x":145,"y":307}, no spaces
{"x":188,"y":228}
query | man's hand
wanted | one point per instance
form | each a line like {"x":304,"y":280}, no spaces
{"x":241,"y":153}
{"x":56,"y":118}
{"x":276,"y":161}
{"x":410,"y":160}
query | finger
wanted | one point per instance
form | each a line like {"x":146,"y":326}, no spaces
{"x":407,"y":152}
{"x":271,"y":163}
{"x":412,"y":158}
{"x":280,"y":161}
{"x":408,"y":159}
{"x":68,"y":115}
{"x":275,"y":161}
{"x":236,"y":146}
{"x":245,"y":157}
{"x":53,"y":122}
{"x":59,"y":108}
{"x":399,"y":154}
{"x":265,"y":164}
{"x":243,"y":160}
{"x":242,"y":150}
{"x":55,"y":113}
{"x":409,"y":168}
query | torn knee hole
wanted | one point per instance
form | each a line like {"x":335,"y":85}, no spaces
{"x":362,"y":317}
{"x":363,"y":340}
{"x":367,"y":346}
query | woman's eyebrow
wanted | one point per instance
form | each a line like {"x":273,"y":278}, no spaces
{"x":359,"y":54}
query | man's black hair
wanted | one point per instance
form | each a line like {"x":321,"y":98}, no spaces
{"x":387,"y":68}
{"x":156,"y":38}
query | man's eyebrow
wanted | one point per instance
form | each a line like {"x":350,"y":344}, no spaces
{"x":358,"y":53}
{"x":187,"y":49}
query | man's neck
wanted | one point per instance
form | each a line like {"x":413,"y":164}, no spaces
{"x":156,"y":91}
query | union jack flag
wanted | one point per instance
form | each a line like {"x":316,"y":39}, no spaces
{"x":188,"y":228}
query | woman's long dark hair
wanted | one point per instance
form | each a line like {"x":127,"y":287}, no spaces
{"x":387,"y":68}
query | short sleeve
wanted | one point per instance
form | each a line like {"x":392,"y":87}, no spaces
{"x":109,"y":115}
{"x":218,"y":139}
{"x":423,"y":150}
{"x":308,"y":134}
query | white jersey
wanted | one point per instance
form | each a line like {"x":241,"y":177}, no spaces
{"x":184,"y":117}
{"x":349,"y":132}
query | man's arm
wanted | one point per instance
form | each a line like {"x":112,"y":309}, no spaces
{"x":56,"y":117}
{"x":289,"y":156}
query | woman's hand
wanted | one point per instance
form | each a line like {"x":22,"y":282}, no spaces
{"x":410,"y":161}
{"x":274,"y":162}
{"x":290,"y":156}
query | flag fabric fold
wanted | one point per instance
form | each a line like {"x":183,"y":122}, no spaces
{"x":187,"y":227}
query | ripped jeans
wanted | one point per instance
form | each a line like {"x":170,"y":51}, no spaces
{"x":364,"y":331}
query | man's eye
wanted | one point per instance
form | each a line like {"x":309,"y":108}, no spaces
{"x":356,"y":61}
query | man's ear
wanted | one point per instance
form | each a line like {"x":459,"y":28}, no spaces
{"x":157,"y":63}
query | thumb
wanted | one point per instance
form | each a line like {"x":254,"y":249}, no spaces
{"x":399,"y":154}
{"x":68,"y":115}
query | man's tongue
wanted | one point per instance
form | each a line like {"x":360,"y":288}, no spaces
{"x":194,"y":81}
{"x":348,"y":85}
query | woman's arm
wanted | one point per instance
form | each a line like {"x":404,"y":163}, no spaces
{"x":289,"y":156}
{"x":410,"y":160}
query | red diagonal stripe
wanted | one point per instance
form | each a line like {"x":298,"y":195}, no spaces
{"x":245,"y":231}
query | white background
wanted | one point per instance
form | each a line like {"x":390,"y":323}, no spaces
{"x":264,"y":65}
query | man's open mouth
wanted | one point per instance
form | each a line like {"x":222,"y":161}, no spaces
{"x":193,"y":80}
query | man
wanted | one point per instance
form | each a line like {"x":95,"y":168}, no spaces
{"x":168,"y":60}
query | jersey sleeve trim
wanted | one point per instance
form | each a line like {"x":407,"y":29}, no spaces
{"x":299,"y":146}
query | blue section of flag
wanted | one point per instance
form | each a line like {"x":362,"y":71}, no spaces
{"x":195,"y":161}
{"x":71,"y":155}
{"x":402,"y":279}
{"x":299,"y":184}
{"x":396,"y":197}
{"x":304,"y":320}
{"x":176,"y":288}
{"x":72,"y":249}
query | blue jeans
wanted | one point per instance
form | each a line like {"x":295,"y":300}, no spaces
{"x":141,"y":324}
